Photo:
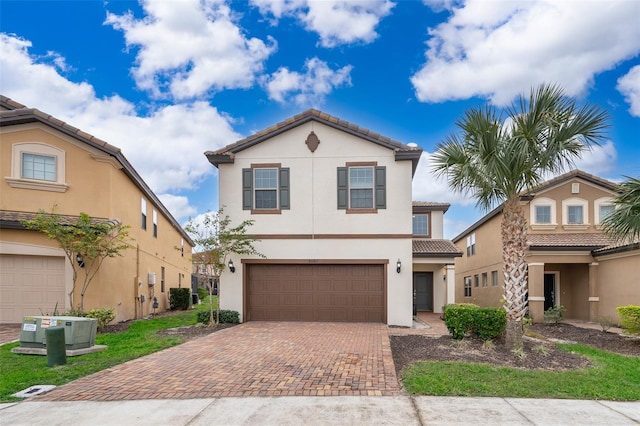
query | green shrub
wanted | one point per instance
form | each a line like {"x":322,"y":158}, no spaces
{"x":554,"y":315}
{"x":103,"y":315}
{"x":459,"y":319}
{"x":226,"y":317}
{"x":179,"y":298}
{"x":629,"y":319}
{"x":489,"y":323}
{"x":202,"y":293}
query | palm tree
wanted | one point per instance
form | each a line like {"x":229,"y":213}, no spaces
{"x":623,"y":224}
{"x":495,"y":160}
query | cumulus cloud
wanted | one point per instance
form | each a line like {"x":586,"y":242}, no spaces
{"x":191,"y":48}
{"x":337,"y":22}
{"x":629,"y":86}
{"x":178,"y":205}
{"x":165,"y":146}
{"x":308,"y":88}
{"x":500,"y":49}
{"x":426,"y":187}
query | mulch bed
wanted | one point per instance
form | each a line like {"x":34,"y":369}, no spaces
{"x":540,"y":352}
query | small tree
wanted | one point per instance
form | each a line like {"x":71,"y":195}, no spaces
{"x":87,"y":242}
{"x":216,"y":239}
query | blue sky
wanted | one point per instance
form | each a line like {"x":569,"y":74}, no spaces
{"x":167,"y":80}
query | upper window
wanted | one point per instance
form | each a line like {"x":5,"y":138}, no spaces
{"x":484,"y":279}
{"x":574,"y":215}
{"x":41,"y":167}
{"x":494,"y":278}
{"x":362,"y":188}
{"x":143,"y":213}
{"x":471,"y":244}
{"x":603,"y":207}
{"x":543,"y":214}
{"x":37,"y":166}
{"x":155,"y":224}
{"x":265,"y":188}
{"x":421,"y":224}
{"x":467,"y":286}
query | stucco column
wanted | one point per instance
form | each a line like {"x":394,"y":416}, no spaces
{"x":451,"y":284}
{"x":536,"y":291}
{"x":594,"y":300}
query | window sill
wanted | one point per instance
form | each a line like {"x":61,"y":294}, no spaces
{"x":39,"y":185}
{"x":266,"y":211}
{"x":362,"y":211}
{"x":576,"y":227}
{"x":544,"y":227}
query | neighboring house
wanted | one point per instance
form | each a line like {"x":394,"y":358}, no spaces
{"x":46,"y":162}
{"x":332,"y":209}
{"x":571,"y":262}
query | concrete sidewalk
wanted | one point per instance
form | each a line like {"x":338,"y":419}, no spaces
{"x":297,"y":410}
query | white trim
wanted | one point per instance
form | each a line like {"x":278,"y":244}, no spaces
{"x":17,"y":181}
{"x":594,"y":299}
{"x":597,"y":204}
{"x":574,"y":201}
{"x":535,"y":264}
{"x":536,"y":298}
{"x":543,"y":202}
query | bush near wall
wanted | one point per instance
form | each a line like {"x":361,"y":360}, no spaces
{"x":103,"y":315}
{"x":486,"y":323}
{"x":179,"y":298}
{"x":629,"y":319}
{"x":226,"y":317}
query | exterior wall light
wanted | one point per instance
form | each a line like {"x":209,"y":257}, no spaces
{"x":80,"y":260}
{"x":232,"y":268}
{"x":398,"y":266}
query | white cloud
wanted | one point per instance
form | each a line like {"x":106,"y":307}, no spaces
{"x":426,"y":187}
{"x":500,"y":49}
{"x":191,"y":48}
{"x":309,"y":88}
{"x":335,"y":21}
{"x":599,"y":159}
{"x":178,"y":206}
{"x":166,"y":146}
{"x":629,"y":86}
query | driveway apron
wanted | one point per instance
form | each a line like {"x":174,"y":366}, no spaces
{"x":252,"y":359}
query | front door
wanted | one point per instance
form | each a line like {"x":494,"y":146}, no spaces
{"x":549,"y":291}
{"x":423,"y":290}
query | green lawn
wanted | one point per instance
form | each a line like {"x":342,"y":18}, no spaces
{"x":612,"y":377}
{"x":18,"y":371}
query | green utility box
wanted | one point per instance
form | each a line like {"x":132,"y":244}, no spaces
{"x":79,"y":332}
{"x":56,"y":352}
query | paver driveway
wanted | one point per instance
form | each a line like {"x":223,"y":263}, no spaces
{"x":253,"y":359}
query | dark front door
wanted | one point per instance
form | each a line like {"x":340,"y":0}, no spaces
{"x":423,"y":290}
{"x":549,"y":291}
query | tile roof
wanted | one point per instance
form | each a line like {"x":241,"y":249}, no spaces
{"x":430,"y":206}
{"x":435,"y":248}
{"x":13,"y":219}
{"x":583,"y":240}
{"x":14,"y":113}
{"x":403,"y":152}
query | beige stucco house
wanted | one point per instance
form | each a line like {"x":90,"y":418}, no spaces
{"x":332,"y":208}
{"x":45,"y":162}
{"x":570,"y":260}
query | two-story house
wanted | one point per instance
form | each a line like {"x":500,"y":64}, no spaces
{"x":45,"y":162}
{"x":571,"y":262}
{"x":332,"y":208}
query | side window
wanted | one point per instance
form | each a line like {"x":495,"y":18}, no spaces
{"x":494,"y":278}
{"x":421,"y":224}
{"x":265,"y":188}
{"x":143,"y":213}
{"x":162,"y":279}
{"x":362,"y":188}
{"x":471,"y":244}
{"x":155,"y":224}
{"x":467,"y":286}
{"x":37,"y":166}
{"x":484,"y":279}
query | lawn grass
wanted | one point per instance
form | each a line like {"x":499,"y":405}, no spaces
{"x":19,"y":371}
{"x":612,"y":377}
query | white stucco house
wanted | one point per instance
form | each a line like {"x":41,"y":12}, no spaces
{"x":333,"y":212}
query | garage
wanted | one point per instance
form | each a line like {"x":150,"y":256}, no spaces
{"x":30,"y":285}
{"x":318,"y":292}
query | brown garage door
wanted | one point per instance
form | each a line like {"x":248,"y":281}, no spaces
{"x":315,"y":293}
{"x":30,"y":285}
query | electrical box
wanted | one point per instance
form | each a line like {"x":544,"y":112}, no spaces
{"x":79,"y":332}
{"x":152,"y":278}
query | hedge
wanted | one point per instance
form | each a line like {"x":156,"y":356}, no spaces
{"x":486,"y":323}
{"x":179,"y":298}
{"x":629,"y":319}
{"x":226,"y":317}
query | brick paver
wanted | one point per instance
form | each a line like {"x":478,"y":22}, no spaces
{"x":253,"y":359}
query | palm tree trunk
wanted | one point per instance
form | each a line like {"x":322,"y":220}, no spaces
{"x":514,"y":240}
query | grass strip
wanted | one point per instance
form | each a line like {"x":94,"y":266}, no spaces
{"x":612,"y":377}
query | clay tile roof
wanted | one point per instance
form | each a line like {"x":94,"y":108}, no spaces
{"x":435,"y":248}
{"x":13,"y":219}
{"x":586,"y":240}
{"x":573,"y":174}
{"x":419,"y":206}
{"x":303,"y":117}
